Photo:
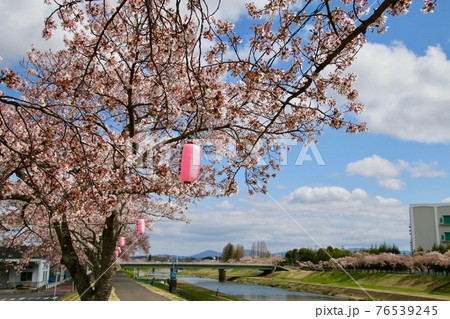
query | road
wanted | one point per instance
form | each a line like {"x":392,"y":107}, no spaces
{"x":126,"y":290}
{"x":48,"y":295}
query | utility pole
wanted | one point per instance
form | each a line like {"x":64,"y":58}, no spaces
{"x":173,"y":278}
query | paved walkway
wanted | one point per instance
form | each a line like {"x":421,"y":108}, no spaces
{"x":127,"y":290}
{"x":44,"y":295}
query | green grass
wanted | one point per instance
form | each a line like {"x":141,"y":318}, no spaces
{"x":376,"y":280}
{"x":405,"y":283}
{"x":296,"y":279}
{"x":186,"y":290}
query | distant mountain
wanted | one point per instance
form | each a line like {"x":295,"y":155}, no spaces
{"x":207,"y":253}
{"x":282,"y":254}
{"x":203,"y":254}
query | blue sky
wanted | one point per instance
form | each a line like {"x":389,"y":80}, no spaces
{"x":360,"y":196}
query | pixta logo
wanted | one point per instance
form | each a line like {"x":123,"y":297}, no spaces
{"x":217,"y":150}
{"x":290,"y":154}
{"x":307,"y":152}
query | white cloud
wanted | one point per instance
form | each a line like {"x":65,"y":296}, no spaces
{"x":231,"y":9}
{"x":392,"y":183}
{"x":421,"y":169}
{"x":323,"y":194}
{"x":406,"y":95}
{"x":224,"y":205}
{"x":386,"y":172}
{"x":280,"y":186}
{"x":372,"y":167}
{"x":446,"y":200}
{"x":332,"y":215}
{"x":380,"y":168}
{"x":21,"y":23}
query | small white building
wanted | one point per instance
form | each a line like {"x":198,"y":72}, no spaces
{"x":35,"y":275}
{"x":430,"y":225}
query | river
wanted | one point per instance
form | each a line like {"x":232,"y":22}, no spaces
{"x":254,"y":292}
{"x":251,"y":292}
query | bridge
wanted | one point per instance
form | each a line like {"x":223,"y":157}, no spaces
{"x":222,"y":267}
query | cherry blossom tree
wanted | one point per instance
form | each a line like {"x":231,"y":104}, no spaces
{"x":90,"y":134}
{"x":432,"y":261}
{"x":445,"y":262}
{"x":419,"y":261}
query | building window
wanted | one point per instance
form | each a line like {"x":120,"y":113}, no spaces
{"x":445,"y":220}
{"x":446,"y":236}
{"x":26,"y":276}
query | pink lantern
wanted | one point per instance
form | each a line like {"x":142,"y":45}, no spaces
{"x":141,"y":226}
{"x":119,"y":251}
{"x":191,"y":157}
{"x":116,"y":253}
{"x":122,"y":241}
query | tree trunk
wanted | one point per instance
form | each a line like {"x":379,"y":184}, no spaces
{"x":69,"y":259}
{"x":104,"y":283}
{"x":104,"y":279}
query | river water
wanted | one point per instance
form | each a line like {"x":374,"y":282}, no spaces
{"x":252,"y":292}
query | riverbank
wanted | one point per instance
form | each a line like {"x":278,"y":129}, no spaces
{"x":184,"y":291}
{"x":378,"y":286}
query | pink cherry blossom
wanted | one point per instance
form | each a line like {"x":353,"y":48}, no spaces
{"x":90,"y":139}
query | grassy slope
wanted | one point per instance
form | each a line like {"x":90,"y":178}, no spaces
{"x":382,"y":281}
{"x":339,"y":283}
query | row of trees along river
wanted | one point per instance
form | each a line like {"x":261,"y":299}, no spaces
{"x":382,"y":258}
{"x":259,"y":249}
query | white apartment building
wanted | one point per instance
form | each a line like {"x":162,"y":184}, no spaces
{"x":430,"y":225}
